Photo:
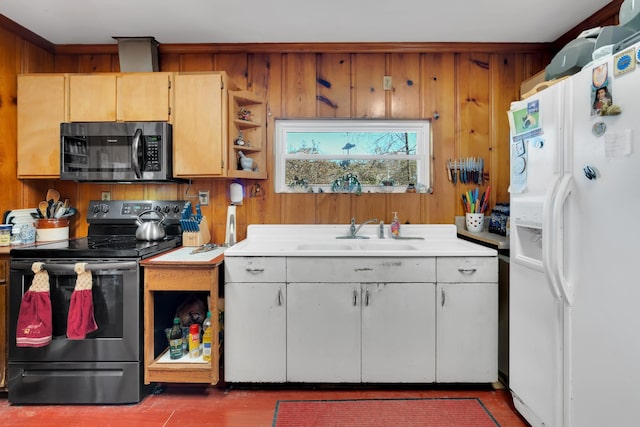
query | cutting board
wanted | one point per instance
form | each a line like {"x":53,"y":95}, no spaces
{"x":185,"y":255}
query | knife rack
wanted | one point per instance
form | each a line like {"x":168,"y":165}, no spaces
{"x":197,"y":238}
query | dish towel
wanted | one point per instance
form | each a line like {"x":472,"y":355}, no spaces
{"x":81,"y":320}
{"x":34,"y":318}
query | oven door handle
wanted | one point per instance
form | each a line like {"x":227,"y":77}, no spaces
{"x":68,"y":267}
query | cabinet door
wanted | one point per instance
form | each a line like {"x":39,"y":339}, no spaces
{"x":254,"y":336}
{"x":119,"y":97}
{"x":323,"y":332}
{"x":198,"y":125}
{"x":467,"y":332}
{"x":92,"y":97}
{"x":398,"y":332}
{"x":143,"y":97}
{"x":41,"y":109}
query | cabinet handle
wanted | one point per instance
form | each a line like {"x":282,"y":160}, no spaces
{"x":363,"y":269}
{"x":279,"y":296}
{"x":467,"y":270}
{"x":366,"y":297}
{"x":443,"y":297}
{"x":355,"y":297}
{"x":254,"y":270}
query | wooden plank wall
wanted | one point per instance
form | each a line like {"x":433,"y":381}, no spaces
{"x":468,"y":86}
{"x":469,"y":92}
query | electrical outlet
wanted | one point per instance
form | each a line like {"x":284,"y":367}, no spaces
{"x":203,"y":196}
{"x":387,"y":82}
{"x":106,"y":195}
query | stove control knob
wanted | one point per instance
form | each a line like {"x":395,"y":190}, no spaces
{"x":158,"y":208}
{"x":176,"y":209}
{"x":96,"y":209}
{"x":105,"y":208}
{"x":167,"y":209}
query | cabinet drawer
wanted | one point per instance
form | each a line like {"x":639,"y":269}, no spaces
{"x":255,"y":269}
{"x":360,"y":269}
{"x":467,"y":269}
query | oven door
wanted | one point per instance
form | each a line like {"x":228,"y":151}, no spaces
{"x":117,"y":311}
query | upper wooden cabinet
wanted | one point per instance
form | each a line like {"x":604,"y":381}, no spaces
{"x":205,"y":110}
{"x":41,"y":109}
{"x":198,"y":131}
{"x":206,"y":126}
{"x":119,"y":97}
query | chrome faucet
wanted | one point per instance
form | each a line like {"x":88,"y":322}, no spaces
{"x":353,"y":229}
{"x":381,"y":230}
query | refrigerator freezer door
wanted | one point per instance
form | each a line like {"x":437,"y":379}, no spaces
{"x":536,"y":309}
{"x":535,"y":360}
{"x":601,"y":257}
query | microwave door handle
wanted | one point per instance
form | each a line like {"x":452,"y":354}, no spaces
{"x":135,"y":147}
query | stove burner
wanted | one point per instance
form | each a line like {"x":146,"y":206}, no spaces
{"x":114,"y":242}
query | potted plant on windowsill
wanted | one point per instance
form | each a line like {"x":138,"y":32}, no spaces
{"x":387,"y":185}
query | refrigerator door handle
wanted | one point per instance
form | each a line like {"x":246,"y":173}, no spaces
{"x":547,"y":247}
{"x":564,"y":190}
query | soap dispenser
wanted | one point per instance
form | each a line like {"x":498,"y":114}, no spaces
{"x":395,"y":226}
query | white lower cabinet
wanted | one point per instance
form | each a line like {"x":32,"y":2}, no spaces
{"x":255,"y":318}
{"x":467,"y":313}
{"x":255,"y":338}
{"x":398,"y":332}
{"x":467,"y":343}
{"x":323,"y":332}
{"x":369,"y":319}
{"x":351,"y":332}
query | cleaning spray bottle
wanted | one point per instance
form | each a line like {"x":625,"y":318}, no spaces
{"x":395,"y":226}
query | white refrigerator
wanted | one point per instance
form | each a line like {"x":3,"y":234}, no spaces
{"x":574,"y":355}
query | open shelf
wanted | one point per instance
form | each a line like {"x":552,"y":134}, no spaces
{"x":247,"y":120}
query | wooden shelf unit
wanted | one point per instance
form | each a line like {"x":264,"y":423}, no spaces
{"x":253,"y":130}
{"x":180,"y":277}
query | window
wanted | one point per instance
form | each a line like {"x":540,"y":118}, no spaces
{"x":352,"y":155}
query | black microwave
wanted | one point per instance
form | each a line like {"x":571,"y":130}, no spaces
{"x":116,"y":152}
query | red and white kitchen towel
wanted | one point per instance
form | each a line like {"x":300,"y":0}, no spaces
{"x":34,"y":327}
{"x":34,"y":318}
{"x":81,"y":321}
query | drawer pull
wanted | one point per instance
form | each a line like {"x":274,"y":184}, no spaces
{"x":366,"y":297}
{"x":279,"y":297}
{"x":355,"y":297}
{"x":443,"y":297}
{"x":363,"y":269}
{"x":467,"y":270}
{"x":255,"y":270}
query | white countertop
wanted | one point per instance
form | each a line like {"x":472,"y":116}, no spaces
{"x":320,"y":240}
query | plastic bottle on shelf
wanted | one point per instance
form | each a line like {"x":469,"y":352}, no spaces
{"x":395,"y":226}
{"x":206,"y":338}
{"x":194,"y":341}
{"x":175,"y":340}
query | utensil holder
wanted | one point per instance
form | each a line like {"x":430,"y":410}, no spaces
{"x":197,"y":238}
{"x":475,"y":222}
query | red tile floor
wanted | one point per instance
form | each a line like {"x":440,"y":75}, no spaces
{"x":179,"y":405}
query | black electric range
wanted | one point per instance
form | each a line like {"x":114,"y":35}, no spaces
{"x":112,"y":229}
{"x":110,"y":357}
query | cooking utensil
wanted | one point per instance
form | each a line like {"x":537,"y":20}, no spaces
{"x":53,"y":195}
{"x":43,"y":208}
{"x":150,"y":229}
{"x":59,"y":210}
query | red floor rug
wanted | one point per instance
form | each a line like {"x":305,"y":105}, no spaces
{"x":436,"y":412}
